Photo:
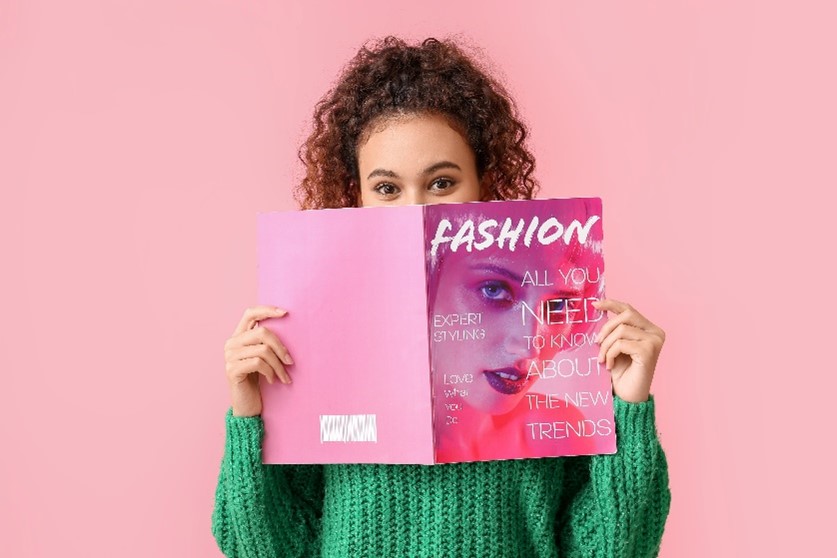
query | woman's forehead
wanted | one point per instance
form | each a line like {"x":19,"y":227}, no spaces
{"x":413,"y":142}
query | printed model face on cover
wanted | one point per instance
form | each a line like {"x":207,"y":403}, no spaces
{"x":501,"y":300}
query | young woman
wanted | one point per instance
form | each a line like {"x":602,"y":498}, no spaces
{"x":416,"y":125}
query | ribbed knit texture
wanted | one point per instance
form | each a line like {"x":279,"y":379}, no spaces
{"x":603,"y":505}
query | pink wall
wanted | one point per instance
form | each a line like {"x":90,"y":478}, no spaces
{"x":138,"y":141}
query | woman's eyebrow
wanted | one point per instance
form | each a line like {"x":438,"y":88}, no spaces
{"x":441,"y":165}
{"x":567,"y":294}
{"x":429,"y":170}
{"x":500,"y":271}
{"x":382,"y":172}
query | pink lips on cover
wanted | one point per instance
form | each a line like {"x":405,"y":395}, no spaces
{"x":506,"y":380}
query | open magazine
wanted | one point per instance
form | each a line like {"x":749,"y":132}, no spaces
{"x":438,"y":333}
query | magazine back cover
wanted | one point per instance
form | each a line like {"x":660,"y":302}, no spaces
{"x":352,"y":281}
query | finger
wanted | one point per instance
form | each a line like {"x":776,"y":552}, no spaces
{"x":622,"y":331}
{"x":634,"y":349}
{"x":611,"y":305}
{"x":604,"y":306}
{"x":241,"y":370}
{"x":628,"y":315}
{"x":260,"y":334}
{"x":256,"y":313}
{"x":264,"y":352}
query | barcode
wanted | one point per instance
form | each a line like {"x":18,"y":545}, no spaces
{"x":348,"y":428}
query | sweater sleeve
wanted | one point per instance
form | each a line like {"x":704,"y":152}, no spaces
{"x":618,"y":504}
{"x":262,"y":510}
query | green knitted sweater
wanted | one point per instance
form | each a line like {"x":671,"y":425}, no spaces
{"x":603,"y":505}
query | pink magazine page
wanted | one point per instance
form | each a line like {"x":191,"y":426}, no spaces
{"x":353,"y":282}
{"x":511,"y":327}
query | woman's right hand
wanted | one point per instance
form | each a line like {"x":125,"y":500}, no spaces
{"x":254,"y":350}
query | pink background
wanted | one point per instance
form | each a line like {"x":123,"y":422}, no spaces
{"x":139,"y":140}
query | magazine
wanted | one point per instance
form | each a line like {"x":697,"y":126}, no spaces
{"x":436,"y":334}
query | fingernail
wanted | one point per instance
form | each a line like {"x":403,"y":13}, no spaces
{"x":288,"y":360}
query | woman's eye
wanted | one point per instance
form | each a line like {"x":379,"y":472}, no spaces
{"x":442,"y":184}
{"x":496,"y":291}
{"x":556,"y":304}
{"x":386,"y":189}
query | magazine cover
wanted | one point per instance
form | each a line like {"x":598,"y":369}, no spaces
{"x":512,"y":329}
{"x":436,"y":334}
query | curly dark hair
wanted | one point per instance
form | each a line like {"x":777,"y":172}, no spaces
{"x":393,"y":78}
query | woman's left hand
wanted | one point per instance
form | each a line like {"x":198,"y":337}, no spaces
{"x":630,"y":347}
